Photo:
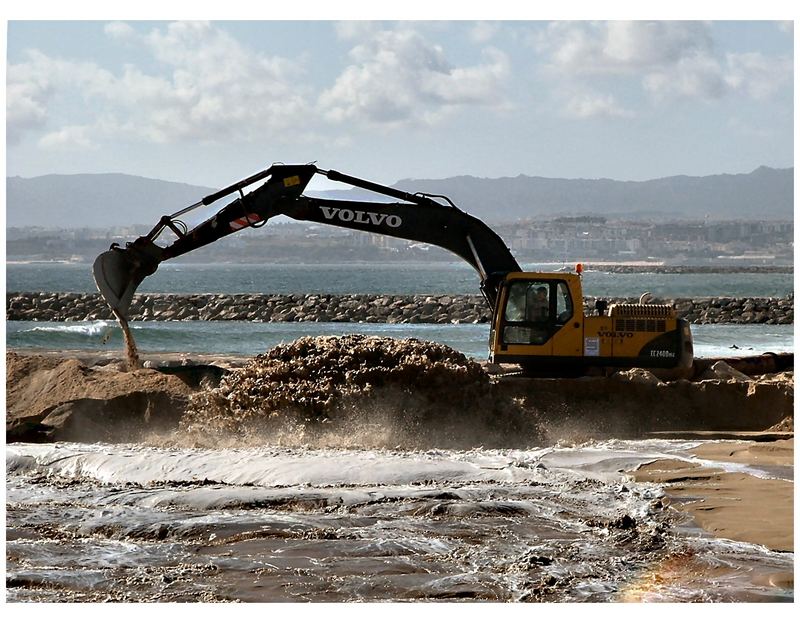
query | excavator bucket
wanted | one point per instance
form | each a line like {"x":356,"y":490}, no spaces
{"x":118,"y":272}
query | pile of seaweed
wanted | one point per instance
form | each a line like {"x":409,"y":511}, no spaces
{"x":358,"y":391}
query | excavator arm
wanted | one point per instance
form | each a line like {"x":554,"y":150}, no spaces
{"x":422,"y":218}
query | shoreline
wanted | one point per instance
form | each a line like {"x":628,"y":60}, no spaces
{"x":730,"y":502}
{"x":597,"y":407}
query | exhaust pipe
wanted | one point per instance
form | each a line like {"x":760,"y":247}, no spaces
{"x":119,"y":272}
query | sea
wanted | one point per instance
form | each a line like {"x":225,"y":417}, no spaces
{"x":400,"y":278}
{"x":167,"y":522}
{"x":245,"y":338}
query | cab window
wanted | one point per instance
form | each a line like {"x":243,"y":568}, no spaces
{"x":528,"y":301}
{"x":535,"y":310}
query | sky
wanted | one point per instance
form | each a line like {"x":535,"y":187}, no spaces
{"x":211,"y":102}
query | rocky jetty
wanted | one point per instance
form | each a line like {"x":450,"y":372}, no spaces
{"x":419,"y":308}
{"x":685,"y":270}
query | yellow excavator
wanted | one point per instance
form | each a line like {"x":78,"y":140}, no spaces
{"x":538,"y":319}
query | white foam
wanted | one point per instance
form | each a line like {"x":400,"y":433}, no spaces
{"x":262,"y":467}
{"x":280,"y":467}
{"x":97,"y":327}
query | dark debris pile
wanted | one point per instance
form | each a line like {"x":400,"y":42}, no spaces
{"x":417,"y":392}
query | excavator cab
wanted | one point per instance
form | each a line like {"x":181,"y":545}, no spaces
{"x":536,"y":308}
{"x":537,"y":315}
{"x":540,"y":324}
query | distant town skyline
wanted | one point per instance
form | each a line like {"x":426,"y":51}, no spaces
{"x":207,"y":103}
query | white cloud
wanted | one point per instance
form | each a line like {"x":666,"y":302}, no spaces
{"x":591,"y":105}
{"x":33,"y":83}
{"x":119,"y":30}
{"x":215,"y":89}
{"x":670,"y":59}
{"x":399,"y":77}
{"x":483,"y":32}
{"x":355,"y":29}
{"x":27,"y":98}
{"x":757,"y":75}
{"x":698,"y":77}
{"x":620,"y":47}
{"x":68,"y":137}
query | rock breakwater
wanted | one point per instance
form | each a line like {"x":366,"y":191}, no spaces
{"x":434,"y":309}
{"x":686,"y":270}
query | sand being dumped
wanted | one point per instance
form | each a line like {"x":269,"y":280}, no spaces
{"x":131,"y":352}
{"x":358,"y":391}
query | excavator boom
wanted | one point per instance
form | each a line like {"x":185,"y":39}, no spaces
{"x":422,"y":218}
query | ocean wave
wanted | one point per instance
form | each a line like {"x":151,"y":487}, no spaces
{"x":97,"y":327}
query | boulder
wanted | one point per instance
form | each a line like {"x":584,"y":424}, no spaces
{"x":638,"y":375}
{"x":723,"y":371}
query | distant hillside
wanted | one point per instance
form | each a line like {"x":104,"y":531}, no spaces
{"x":113,"y":199}
{"x":764,"y":194}
{"x":96,"y":200}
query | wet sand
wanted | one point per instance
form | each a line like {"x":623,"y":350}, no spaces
{"x":738,"y":505}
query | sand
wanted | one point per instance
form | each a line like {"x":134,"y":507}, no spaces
{"x":732,"y":504}
{"x":56,"y":399}
{"x":131,"y":351}
{"x":360,"y":391}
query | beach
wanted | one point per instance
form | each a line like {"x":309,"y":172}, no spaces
{"x":739,"y":490}
{"x":454,"y":481}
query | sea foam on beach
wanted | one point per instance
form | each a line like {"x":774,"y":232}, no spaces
{"x":90,"y":522}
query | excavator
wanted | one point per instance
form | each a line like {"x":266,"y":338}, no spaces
{"x":537,"y":321}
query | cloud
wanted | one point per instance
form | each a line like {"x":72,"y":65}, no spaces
{"x":591,"y":105}
{"x":27,"y":98}
{"x":209,"y":87}
{"x":68,"y":137}
{"x":483,"y":32}
{"x":757,"y":75}
{"x":35,"y":82}
{"x":620,"y":47}
{"x":214,"y":89}
{"x":669,"y":59}
{"x":119,"y":30}
{"x":398,"y":77}
{"x":355,"y":29}
{"x":699,"y":77}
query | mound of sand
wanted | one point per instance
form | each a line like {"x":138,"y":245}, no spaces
{"x":57,"y":399}
{"x":359,"y":390}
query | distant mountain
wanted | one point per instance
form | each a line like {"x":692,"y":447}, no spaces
{"x":764,"y":194}
{"x":114,"y":199}
{"x":94,"y":200}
